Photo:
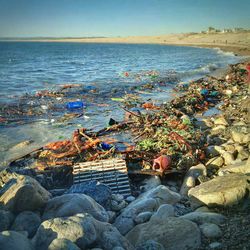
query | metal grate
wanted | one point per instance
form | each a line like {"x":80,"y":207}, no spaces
{"x":112,"y":172}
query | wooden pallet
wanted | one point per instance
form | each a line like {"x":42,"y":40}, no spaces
{"x":112,"y":172}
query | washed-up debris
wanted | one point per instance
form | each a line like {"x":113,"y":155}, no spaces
{"x":111,"y":172}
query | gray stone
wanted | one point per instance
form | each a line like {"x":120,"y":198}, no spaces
{"x":243,"y":155}
{"x":112,"y":216}
{"x":150,"y":183}
{"x":173,"y":233}
{"x":71,"y":204}
{"x":117,"y":197}
{"x":240,"y":137}
{"x":117,"y":206}
{"x":215,"y":245}
{"x":241,"y":167}
{"x":23,"y":193}
{"x":130,"y":198}
{"x":191,"y":177}
{"x":143,"y":217}
{"x":6,"y":219}
{"x":10,"y":240}
{"x":100,"y":192}
{"x":62,"y":244}
{"x":212,"y":151}
{"x":203,"y":209}
{"x":150,"y":245}
{"x":210,"y":230}
{"x":205,"y":217}
{"x":163,"y":212}
{"x":228,"y":158}
{"x":146,"y":202}
{"x":27,"y":221}
{"x":215,"y":162}
{"x":220,"y":121}
{"x":81,"y":229}
{"x":221,"y":191}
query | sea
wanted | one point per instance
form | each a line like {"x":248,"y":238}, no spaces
{"x":104,"y":74}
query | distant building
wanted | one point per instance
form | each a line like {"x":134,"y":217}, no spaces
{"x":226,"y":31}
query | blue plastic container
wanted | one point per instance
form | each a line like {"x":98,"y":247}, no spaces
{"x":75,"y":105}
{"x":204,"y":92}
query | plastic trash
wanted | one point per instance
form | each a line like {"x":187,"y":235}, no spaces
{"x":204,"y":92}
{"x":214,"y":93}
{"x":105,"y":146}
{"x":162,"y":163}
{"x":75,"y":105}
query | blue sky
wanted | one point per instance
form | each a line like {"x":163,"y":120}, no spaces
{"x":79,"y":18}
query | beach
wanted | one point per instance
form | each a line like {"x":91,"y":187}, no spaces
{"x":238,"y":43}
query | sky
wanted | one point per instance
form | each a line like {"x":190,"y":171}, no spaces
{"x":85,"y":18}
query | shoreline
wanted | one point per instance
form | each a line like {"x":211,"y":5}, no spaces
{"x":238,"y":43}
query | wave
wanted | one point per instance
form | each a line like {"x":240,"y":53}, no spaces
{"x":199,"y":71}
{"x":224,"y":53}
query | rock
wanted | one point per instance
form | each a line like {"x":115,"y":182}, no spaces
{"x":215,"y":162}
{"x":146,"y":202}
{"x":62,"y":244}
{"x":210,"y":230}
{"x":215,"y":245}
{"x":204,"y":217}
{"x":112,"y":216}
{"x":6,"y":219}
{"x":173,"y":233}
{"x":150,"y":245}
{"x":71,"y":204}
{"x":143,"y":217}
{"x":163,"y":212}
{"x":203,"y":124}
{"x":26,"y":221}
{"x":242,"y":167}
{"x":130,"y":198}
{"x":191,"y":176}
{"x":220,"y":121}
{"x":240,"y":137}
{"x":100,"y":192}
{"x":10,"y":240}
{"x":116,"y":206}
{"x":228,"y":158}
{"x":203,"y":209}
{"x":218,"y":129}
{"x":243,"y":155}
{"x":150,"y":183}
{"x":214,"y":150}
{"x":117,"y":197}
{"x":23,"y":193}
{"x":221,"y":191}
{"x":81,"y":229}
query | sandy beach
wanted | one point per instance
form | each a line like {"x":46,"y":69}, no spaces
{"x":238,"y":43}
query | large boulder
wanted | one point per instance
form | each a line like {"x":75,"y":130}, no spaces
{"x":100,"y":192}
{"x":6,"y":218}
{"x":10,"y":240}
{"x":221,"y":191}
{"x":71,"y":204}
{"x":147,"y":202}
{"x":173,"y":233}
{"x":27,"y":221}
{"x":81,"y":229}
{"x":23,"y":193}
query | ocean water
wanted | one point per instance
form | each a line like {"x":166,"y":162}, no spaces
{"x":112,"y":70}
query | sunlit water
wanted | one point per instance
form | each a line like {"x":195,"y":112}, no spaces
{"x":113,"y":69}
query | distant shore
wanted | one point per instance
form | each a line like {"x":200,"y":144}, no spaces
{"x":238,"y":43}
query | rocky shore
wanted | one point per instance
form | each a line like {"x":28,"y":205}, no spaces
{"x":207,"y":207}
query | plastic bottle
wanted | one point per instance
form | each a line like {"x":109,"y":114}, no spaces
{"x":75,"y":105}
